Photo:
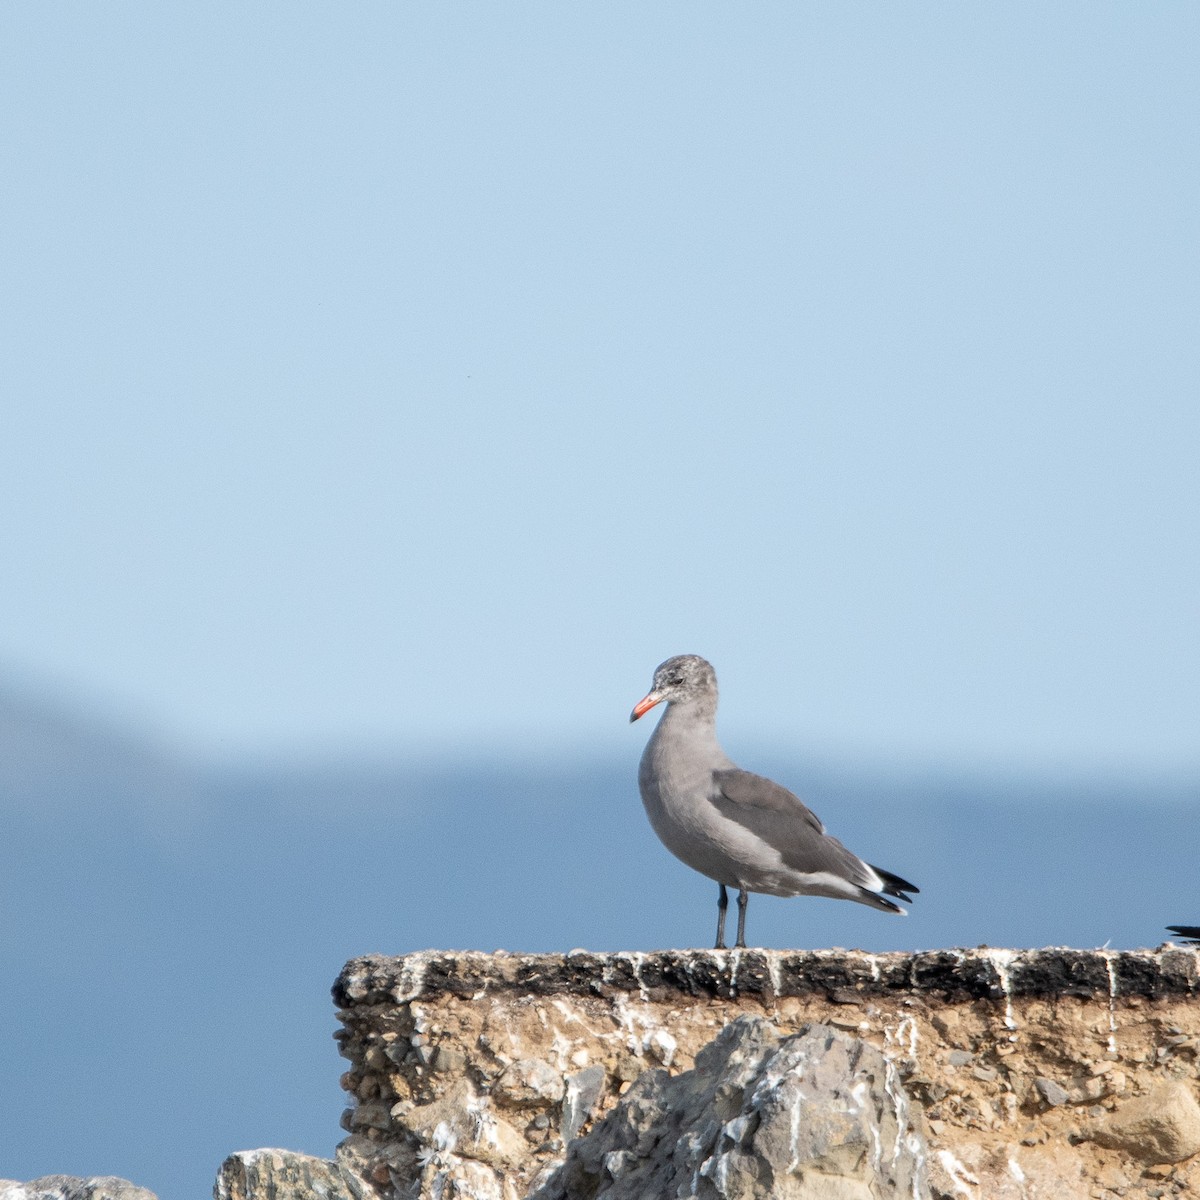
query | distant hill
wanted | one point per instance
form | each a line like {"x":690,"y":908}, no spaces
{"x":55,"y":754}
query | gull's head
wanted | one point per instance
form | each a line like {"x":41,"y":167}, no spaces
{"x":680,"y":680}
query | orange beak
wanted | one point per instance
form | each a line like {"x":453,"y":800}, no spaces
{"x":644,"y":705}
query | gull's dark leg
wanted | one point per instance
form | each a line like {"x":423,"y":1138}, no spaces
{"x":743,"y":900}
{"x":722,"y":905}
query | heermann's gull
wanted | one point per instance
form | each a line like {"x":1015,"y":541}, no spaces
{"x":1191,"y":933}
{"x":740,"y":829}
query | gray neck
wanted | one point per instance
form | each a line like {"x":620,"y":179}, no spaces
{"x":693,"y":722}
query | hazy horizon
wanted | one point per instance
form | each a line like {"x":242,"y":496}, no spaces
{"x":26,"y":701}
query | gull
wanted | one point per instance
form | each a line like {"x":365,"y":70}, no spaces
{"x":741,"y":829}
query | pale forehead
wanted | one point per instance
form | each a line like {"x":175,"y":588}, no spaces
{"x":688,"y":664}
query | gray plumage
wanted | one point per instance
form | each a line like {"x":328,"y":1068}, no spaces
{"x":741,"y":829}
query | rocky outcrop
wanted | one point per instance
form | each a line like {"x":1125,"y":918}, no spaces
{"x":286,"y":1175}
{"x":816,"y":1114}
{"x":470,"y":1074}
{"x":69,"y":1187}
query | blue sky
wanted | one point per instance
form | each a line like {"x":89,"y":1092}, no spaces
{"x":406,"y":382}
{"x":417,"y":378}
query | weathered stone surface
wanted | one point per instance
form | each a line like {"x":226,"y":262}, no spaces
{"x":464,"y":1122}
{"x":286,"y":1175}
{"x":582,"y":1093}
{"x":70,"y":1187}
{"x":818,"y":1114}
{"x":530,"y":1081}
{"x":1161,"y":1127}
{"x":976,"y":1171}
{"x":774,"y":974}
{"x":970,"y":1034}
{"x":1053,"y":1093}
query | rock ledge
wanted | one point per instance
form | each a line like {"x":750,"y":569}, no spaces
{"x":1023,"y":1071}
{"x":983,"y":972}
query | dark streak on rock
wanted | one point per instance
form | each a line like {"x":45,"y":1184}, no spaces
{"x":661,"y":975}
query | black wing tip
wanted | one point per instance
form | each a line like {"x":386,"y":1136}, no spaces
{"x":1186,"y":931}
{"x":894,"y":885}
